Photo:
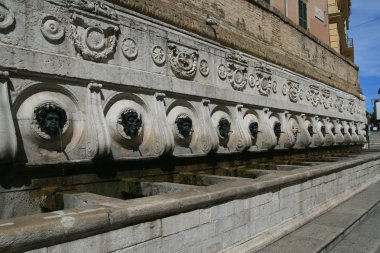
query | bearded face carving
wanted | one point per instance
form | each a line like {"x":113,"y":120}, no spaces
{"x":224,"y":127}
{"x":254,"y":128}
{"x":323,"y":131}
{"x":184,"y":125}
{"x":131,"y":122}
{"x":277,"y":130}
{"x":310,"y":130}
{"x":50,"y":119}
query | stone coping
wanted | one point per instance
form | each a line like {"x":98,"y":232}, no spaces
{"x":103,"y":214}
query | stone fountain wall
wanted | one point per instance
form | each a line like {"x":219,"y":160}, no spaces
{"x":119,"y":85}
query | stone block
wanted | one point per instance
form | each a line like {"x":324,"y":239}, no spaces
{"x":231,"y":222}
{"x":198,"y":234}
{"x":181,"y":222}
{"x":204,"y":216}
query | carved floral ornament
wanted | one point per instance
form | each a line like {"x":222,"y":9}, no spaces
{"x":7,"y":17}
{"x":158,"y":55}
{"x":183,"y":63}
{"x":129,"y":48}
{"x":222,"y":72}
{"x":204,"y":68}
{"x":51,"y":29}
{"x":339,"y":104}
{"x":293,"y":90}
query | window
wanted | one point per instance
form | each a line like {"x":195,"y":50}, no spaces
{"x":302,"y":12}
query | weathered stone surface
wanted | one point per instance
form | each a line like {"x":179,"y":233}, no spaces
{"x":98,"y":63}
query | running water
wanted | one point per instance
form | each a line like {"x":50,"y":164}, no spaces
{"x":60,"y":137}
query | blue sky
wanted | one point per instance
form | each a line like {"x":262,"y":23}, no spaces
{"x":365,"y":30}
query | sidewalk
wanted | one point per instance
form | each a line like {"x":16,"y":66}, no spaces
{"x":353,"y":226}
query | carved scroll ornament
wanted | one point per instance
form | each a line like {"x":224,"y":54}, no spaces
{"x":7,"y":17}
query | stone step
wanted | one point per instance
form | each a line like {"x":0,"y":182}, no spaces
{"x":325,"y":232}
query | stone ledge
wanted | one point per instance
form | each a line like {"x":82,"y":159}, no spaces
{"x":107,"y":214}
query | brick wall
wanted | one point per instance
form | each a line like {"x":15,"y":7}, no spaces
{"x":253,"y":28}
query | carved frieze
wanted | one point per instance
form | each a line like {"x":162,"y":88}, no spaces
{"x":293,"y":90}
{"x":158,"y":55}
{"x":182,"y":62}
{"x":94,"y":6}
{"x":7,"y":17}
{"x":129,"y":48}
{"x":204,"y":68}
{"x":313,"y":95}
{"x":51,"y":29}
{"x":264,"y":79}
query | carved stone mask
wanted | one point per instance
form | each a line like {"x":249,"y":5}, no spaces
{"x":254,"y":128}
{"x":310,"y":130}
{"x":131,"y":122}
{"x":277,"y":129}
{"x":295,"y":131}
{"x":350,"y":131}
{"x":50,"y":119}
{"x":323,"y":131}
{"x":184,"y":125}
{"x":224,"y":127}
{"x":333,"y":130}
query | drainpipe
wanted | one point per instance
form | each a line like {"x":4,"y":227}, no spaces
{"x":286,"y":8}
